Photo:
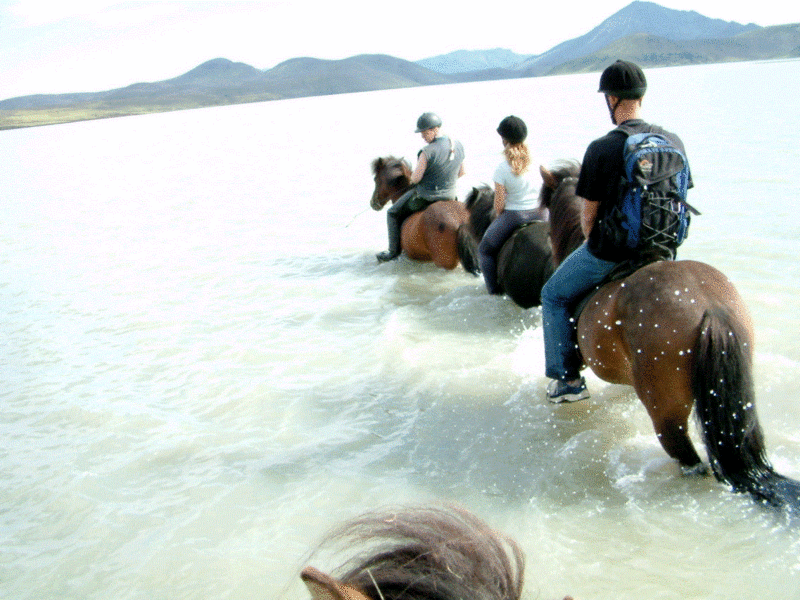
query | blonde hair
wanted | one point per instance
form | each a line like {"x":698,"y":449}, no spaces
{"x":518,"y":157}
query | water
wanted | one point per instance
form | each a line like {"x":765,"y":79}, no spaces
{"x":204,"y":368}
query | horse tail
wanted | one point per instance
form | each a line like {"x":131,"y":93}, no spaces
{"x":467,"y":249}
{"x":722,"y":384}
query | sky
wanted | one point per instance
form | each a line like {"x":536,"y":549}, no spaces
{"x":62,"y":46}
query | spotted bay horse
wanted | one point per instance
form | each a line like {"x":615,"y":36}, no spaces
{"x":425,"y":553}
{"x":526,"y":260}
{"x":681,"y":335}
{"x":438,"y":233}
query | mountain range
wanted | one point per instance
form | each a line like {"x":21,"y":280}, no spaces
{"x":644,"y":32}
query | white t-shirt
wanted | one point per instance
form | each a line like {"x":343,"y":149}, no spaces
{"x":522,"y":191}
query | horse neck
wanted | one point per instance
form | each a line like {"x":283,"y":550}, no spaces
{"x":480,"y":203}
{"x":565,"y":221}
{"x":403,"y":186}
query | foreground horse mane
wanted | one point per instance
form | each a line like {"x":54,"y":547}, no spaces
{"x":430,"y":554}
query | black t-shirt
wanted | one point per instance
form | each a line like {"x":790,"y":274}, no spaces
{"x":602,"y":173}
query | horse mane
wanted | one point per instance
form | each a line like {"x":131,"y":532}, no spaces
{"x":480,"y":204}
{"x":558,"y":195}
{"x":378,"y":163}
{"x":391,"y":162}
{"x":431,"y":554}
{"x":562,"y":170}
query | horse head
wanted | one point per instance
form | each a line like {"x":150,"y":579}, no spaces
{"x":392,"y":178}
{"x":558,"y":196}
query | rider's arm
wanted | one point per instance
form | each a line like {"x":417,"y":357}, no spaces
{"x":422,"y":164}
{"x":588,"y":215}
{"x":499,"y":197}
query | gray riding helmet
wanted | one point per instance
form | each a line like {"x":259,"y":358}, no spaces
{"x":427,"y":121}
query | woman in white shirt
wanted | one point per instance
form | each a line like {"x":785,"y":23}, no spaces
{"x":516,"y":197}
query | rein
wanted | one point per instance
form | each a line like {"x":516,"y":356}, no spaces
{"x":355,"y":217}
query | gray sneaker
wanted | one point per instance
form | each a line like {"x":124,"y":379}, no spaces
{"x":559,"y":391}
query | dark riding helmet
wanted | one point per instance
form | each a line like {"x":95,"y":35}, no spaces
{"x":513,"y":130}
{"x":427,"y":121}
{"x":623,"y":80}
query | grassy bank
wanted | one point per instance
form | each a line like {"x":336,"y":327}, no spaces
{"x":35,"y":117}
{"x":15,"y":119}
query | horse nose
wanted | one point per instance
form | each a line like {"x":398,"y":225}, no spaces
{"x":374,"y":202}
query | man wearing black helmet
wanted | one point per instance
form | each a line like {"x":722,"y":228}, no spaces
{"x":600,"y":184}
{"x":439,"y":165}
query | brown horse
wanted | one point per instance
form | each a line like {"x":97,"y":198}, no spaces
{"x":526,"y":260}
{"x":423,"y":554}
{"x":438,"y":233}
{"x":680,"y":334}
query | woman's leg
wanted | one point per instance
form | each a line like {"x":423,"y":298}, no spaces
{"x":494,"y":238}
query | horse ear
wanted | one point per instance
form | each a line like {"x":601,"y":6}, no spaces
{"x":548,"y":178}
{"x":324,"y":587}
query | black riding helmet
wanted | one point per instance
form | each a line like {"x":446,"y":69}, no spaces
{"x":623,"y":80}
{"x":513,"y":130}
{"x":427,"y":121}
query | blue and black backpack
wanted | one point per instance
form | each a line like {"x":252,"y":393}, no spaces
{"x":652,"y":217}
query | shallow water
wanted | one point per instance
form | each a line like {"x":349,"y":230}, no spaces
{"x":205,"y":369}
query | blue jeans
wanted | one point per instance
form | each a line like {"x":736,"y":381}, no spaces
{"x":580,"y":272}
{"x":494,"y":238}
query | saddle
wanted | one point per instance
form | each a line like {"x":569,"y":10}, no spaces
{"x":417,"y":203}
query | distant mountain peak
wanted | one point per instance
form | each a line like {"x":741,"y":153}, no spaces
{"x":464,"y":61}
{"x":641,"y":16}
{"x":637,"y":17}
{"x":219,"y":71}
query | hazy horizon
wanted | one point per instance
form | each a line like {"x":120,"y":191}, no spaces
{"x":95,"y":45}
